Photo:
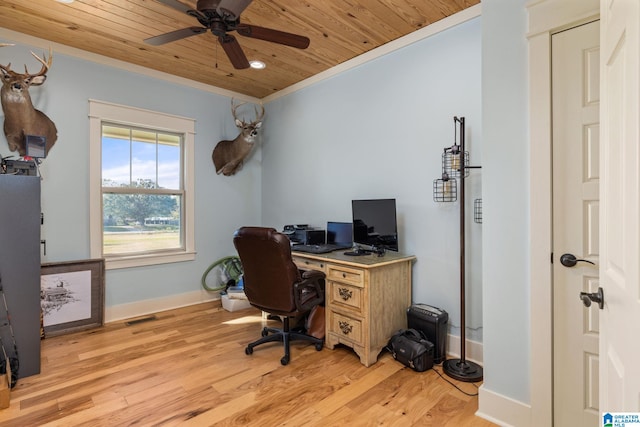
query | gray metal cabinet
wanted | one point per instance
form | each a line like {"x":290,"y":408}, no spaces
{"x":20,"y":266}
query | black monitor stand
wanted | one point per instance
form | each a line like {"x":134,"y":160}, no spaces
{"x":358,"y":252}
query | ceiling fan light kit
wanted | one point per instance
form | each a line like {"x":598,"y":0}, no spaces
{"x":221,"y":17}
{"x":257,"y":65}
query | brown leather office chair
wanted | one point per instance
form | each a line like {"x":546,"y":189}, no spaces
{"x":273,"y":283}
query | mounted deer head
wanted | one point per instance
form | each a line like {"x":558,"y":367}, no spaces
{"x":228,"y":156}
{"x":20,"y":117}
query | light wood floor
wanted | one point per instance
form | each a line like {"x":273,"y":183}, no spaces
{"x":188,"y":367}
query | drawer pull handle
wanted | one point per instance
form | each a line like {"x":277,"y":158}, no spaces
{"x":345,"y":293}
{"x":345,"y":327}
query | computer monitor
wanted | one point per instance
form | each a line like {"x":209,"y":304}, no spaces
{"x":374,"y":223}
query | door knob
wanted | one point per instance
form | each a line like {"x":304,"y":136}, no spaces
{"x":570,"y":260}
{"x":598,"y":297}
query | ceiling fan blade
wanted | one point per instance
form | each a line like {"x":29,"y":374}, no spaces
{"x":274,"y":36}
{"x":186,"y":9}
{"x":174,"y":35}
{"x":234,"y":51}
{"x":177,"y":5}
{"x":231,"y":9}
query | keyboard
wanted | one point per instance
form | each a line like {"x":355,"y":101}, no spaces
{"x":318,"y":249}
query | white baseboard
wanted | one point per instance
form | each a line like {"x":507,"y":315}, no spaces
{"x":492,"y":406}
{"x":502,"y":410}
{"x":473,"y":349}
{"x":141,"y":308}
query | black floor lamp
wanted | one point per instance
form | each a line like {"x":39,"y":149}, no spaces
{"x":455,"y":165}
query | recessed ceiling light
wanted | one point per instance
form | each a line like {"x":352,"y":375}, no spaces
{"x":258,"y":65}
{"x":65,"y":1}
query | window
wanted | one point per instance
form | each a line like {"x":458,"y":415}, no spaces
{"x":141,"y":186}
{"x":141,"y":190}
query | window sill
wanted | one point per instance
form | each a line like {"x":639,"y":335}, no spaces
{"x":147,"y":259}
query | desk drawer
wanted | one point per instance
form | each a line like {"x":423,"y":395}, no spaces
{"x":345,"y":295}
{"x":309,"y":264}
{"x":345,"y":327}
{"x":346,"y":275}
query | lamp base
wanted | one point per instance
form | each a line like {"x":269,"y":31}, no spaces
{"x":462,"y":370}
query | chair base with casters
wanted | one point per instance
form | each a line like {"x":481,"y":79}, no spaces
{"x":284,"y":335}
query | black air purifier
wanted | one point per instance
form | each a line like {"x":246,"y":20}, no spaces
{"x":431,"y":321}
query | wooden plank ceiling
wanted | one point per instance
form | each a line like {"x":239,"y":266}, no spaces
{"x":339,"y":30}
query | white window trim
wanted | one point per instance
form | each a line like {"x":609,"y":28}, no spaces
{"x":100,"y":111}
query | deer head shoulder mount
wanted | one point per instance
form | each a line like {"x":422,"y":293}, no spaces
{"x":229,"y":156}
{"x":20,"y":117}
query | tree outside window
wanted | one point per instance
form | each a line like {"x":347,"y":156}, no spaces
{"x":141,"y":190}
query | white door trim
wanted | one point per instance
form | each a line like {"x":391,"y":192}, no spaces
{"x":545,"y":18}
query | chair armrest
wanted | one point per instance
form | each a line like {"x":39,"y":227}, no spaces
{"x":312,"y":274}
{"x":310,"y":291}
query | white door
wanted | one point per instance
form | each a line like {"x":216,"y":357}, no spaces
{"x":619,"y":213}
{"x":576,"y":163}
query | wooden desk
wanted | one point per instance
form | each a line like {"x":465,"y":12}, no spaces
{"x":366,"y":298}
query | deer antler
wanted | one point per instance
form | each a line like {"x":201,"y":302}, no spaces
{"x":234,"y":107}
{"x":9,"y":64}
{"x":46,"y":63}
{"x":261,"y":115}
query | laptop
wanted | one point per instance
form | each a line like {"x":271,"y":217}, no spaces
{"x":339,"y":236}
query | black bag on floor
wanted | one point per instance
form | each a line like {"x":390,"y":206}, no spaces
{"x":412,"y":349}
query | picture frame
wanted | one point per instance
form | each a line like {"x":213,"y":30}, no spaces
{"x":72,"y":296}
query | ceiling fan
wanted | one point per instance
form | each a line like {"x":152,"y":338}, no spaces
{"x":221,"y":17}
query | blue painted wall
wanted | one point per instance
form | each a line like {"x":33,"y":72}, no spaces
{"x":221,"y":205}
{"x":506,"y":245}
{"x":378,"y":131}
